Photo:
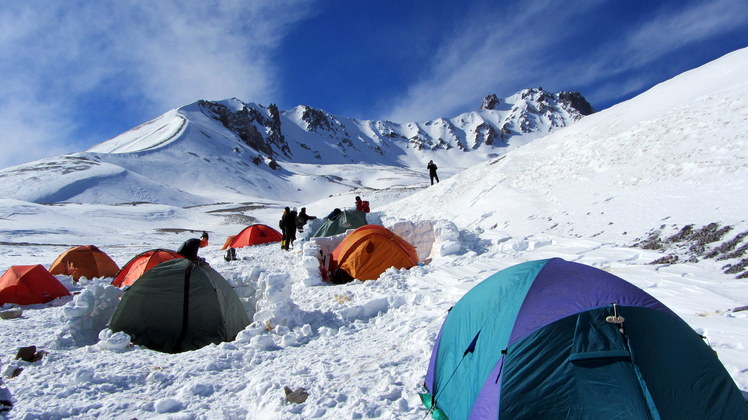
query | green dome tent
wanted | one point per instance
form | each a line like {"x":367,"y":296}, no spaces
{"x":180,"y":305}
{"x":348,"y":219}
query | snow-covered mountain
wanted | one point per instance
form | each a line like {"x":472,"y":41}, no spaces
{"x":652,"y":190}
{"x":255,"y":151}
{"x":308,"y":135}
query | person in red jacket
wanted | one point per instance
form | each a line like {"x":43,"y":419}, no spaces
{"x":362,"y":205}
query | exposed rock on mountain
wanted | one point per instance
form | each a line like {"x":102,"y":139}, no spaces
{"x":490,"y":102}
{"x":246,"y":122}
{"x":324,"y":135}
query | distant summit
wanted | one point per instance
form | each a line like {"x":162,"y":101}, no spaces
{"x":207,"y":150}
{"x":310,"y":135}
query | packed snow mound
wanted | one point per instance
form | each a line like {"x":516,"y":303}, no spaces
{"x":633,"y":163}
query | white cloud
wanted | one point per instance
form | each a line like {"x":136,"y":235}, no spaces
{"x":517,"y":48}
{"x":160,"y":54}
{"x":27,"y":127}
{"x":676,"y":28}
{"x":495,"y":50}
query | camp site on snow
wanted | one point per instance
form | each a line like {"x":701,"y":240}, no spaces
{"x":542,"y":339}
{"x":593,"y":270}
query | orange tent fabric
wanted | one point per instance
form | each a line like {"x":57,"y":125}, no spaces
{"x":141,"y":263}
{"x":253,"y":235}
{"x":370,"y":250}
{"x":29,"y":284}
{"x":84,"y":261}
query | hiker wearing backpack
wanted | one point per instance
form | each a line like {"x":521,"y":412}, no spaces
{"x":432,"y":172}
{"x":362,"y":206}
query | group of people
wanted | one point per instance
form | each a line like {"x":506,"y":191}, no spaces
{"x":290,"y":222}
{"x":361,"y":205}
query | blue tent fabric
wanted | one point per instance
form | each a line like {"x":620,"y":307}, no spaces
{"x":495,"y":301}
{"x":540,"y":379}
{"x":537,"y":341}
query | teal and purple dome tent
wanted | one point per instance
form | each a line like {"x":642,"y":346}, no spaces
{"x":553,"y":339}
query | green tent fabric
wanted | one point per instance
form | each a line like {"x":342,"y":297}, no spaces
{"x":348,"y":219}
{"x":180,"y":305}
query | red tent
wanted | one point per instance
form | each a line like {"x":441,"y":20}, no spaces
{"x":141,"y":263}
{"x":253,"y":235}
{"x":29,"y":284}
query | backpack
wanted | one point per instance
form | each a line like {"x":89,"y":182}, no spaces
{"x":365,"y":207}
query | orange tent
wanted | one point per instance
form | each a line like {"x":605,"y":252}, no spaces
{"x":29,"y":284}
{"x":141,"y":263}
{"x":370,"y":250}
{"x":84,"y":261}
{"x":253,"y":235}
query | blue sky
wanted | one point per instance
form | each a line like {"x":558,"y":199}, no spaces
{"x":78,"y":72}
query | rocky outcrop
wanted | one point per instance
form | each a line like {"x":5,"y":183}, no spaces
{"x":316,"y":119}
{"x":490,"y":102}
{"x":528,"y":112}
{"x":575,"y":100}
{"x":246,"y":124}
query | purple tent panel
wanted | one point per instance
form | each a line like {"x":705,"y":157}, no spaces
{"x":486,"y":405}
{"x":432,"y":364}
{"x":564,"y":288}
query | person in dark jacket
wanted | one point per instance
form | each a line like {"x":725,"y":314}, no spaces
{"x":302,"y":218}
{"x":189,"y":248}
{"x":288,"y":228}
{"x":432,"y":172}
{"x":295,"y":215}
{"x":334,"y":214}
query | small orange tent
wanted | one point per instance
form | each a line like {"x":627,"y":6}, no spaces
{"x":29,"y":284}
{"x":141,"y":263}
{"x":253,"y":235}
{"x":370,"y":250}
{"x":84,"y":261}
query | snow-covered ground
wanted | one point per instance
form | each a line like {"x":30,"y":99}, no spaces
{"x":638,"y":172}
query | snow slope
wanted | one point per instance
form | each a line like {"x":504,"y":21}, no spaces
{"x":675,"y":154}
{"x":638,"y":172}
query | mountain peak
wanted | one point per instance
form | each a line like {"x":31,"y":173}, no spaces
{"x":490,"y":102}
{"x":318,"y":135}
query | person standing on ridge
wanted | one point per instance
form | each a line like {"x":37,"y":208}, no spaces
{"x":432,"y":172}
